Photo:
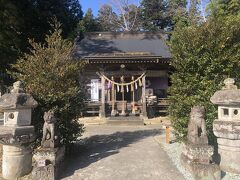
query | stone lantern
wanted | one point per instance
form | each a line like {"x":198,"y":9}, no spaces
{"x":227,"y":126}
{"x":16,"y":133}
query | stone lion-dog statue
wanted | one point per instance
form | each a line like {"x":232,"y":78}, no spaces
{"x":197,"y":133}
{"x":50,"y":137}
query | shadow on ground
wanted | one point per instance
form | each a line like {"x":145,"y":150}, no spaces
{"x":97,"y":147}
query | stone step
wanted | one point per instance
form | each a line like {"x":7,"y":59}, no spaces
{"x":131,"y":120}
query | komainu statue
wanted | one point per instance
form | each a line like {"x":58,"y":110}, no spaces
{"x":197,"y":127}
{"x":196,"y":154}
{"x":50,"y":137}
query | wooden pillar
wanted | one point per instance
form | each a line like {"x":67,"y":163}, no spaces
{"x":168,"y":135}
{"x":113,"y":100}
{"x":133,"y":98}
{"x":144,"y":104}
{"x":102,"y":113}
{"x":123,"y":113}
{"x":109,"y":95}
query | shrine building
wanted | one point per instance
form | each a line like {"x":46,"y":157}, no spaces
{"x":127,"y":74}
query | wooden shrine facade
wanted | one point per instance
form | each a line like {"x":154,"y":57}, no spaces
{"x":127,"y":78}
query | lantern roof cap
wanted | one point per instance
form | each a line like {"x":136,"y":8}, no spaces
{"x":229,"y":95}
{"x":17,"y":98}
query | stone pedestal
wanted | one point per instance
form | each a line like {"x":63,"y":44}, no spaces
{"x":228,"y":133}
{"x":199,"y":153}
{"x":196,"y":156}
{"x":201,"y":171}
{"x":197,"y":160}
{"x":123,"y":114}
{"x":47,"y":163}
{"x":229,"y":150}
{"x":17,"y":155}
{"x":114,"y":113}
{"x":16,"y":161}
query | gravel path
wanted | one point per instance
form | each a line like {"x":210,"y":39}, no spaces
{"x":174,"y":151}
{"x":121,"y":152}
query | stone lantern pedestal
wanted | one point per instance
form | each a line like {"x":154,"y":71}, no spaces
{"x":16,"y":134}
{"x":17,"y":161}
{"x":196,"y":156}
{"x":49,"y":157}
{"x":227,"y":127}
{"x":228,"y":134}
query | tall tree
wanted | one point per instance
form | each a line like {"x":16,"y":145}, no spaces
{"x":106,"y":18}
{"x":10,"y":22}
{"x":68,"y":12}
{"x":162,"y":14}
{"x":15,"y":28}
{"x":154,"y":14}
{"x":23,"y":19}
{"x":88,"y":23}
{"x":120,"y":14}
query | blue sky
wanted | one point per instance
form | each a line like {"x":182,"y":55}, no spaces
{"x":93,"y":4}
{"x":96,"y":4}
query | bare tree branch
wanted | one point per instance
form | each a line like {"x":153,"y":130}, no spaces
{"x":124,"y":14}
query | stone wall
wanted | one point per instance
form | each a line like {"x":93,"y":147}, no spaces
{"x":0,"y":160}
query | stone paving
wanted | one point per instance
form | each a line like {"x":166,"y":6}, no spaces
{"x":120,"y":152}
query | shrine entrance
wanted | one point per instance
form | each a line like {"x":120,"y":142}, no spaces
{"x":123,"y":95}
{"x":132,"y":74}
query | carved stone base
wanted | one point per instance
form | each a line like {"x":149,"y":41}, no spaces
{"x":114,"y":113}
{"x":123,"y":113}
{"x":228,"y":134}
{"x":201,"y":171}
{"x":50,"y":143}
{"x":196,"y":158}
{"x":16,"y":162}
{"x":47,"y":163}
{"x":44,"y":173}
{"x":229,"y":151}
{"x":198,"y":153}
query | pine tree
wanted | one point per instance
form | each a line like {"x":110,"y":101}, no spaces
{"x":154,"y":14}
{"x":88,"y":23}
